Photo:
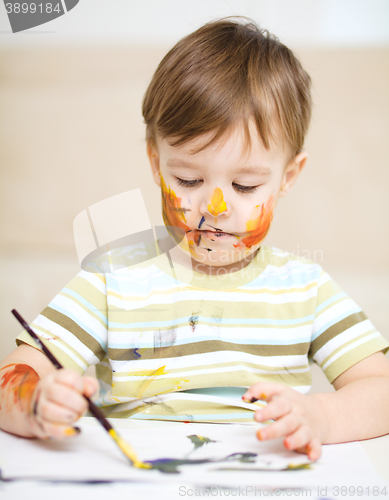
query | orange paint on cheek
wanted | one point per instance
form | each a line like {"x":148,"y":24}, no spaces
{"x":217,"y":205}
{"x":258,"y":227}
{"x":173,"y":214}
{"x":19,"y":381}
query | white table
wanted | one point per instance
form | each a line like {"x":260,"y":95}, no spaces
{"x":376,"y":449}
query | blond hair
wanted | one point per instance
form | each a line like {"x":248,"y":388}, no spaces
{"x":226,"y":73}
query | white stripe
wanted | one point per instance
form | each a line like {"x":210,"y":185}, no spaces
{"x":210,"y":358}
{"x":257,"y":333}
{"x":179,"y":396}
{"x":117,"y":378}
{"x":94,"y":281}
{"x":54,"y":329}
{"x":346,"y":349}
{"x":130,"y":301}
{"x":344,"y":308}
{"x":70,"y":305}
{"x":324,"y":278}
{"x":343,"y":338}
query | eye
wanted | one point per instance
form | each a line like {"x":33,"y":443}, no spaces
{"x":188,"y":184}
{"x":244,"y":189}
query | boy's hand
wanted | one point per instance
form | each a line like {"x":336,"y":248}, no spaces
{"x":298,"y":418}
{"x":58,"y":402}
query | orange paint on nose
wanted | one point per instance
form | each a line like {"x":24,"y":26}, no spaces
{"x":259,"y":226}
{"x":217,"y":205}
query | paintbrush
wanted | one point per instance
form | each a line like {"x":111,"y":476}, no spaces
{"x":123,"y":445}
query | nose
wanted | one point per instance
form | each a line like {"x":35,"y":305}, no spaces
{"x":216,"y":205}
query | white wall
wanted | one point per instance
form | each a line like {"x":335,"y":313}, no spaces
{"x":313,"y":23}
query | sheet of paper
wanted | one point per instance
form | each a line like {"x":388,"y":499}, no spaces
{"x":227,"y":455}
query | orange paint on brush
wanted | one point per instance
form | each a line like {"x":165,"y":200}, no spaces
{"x":217,"y":205}
{"x":19,"y":381}
{"x":259,"y":226}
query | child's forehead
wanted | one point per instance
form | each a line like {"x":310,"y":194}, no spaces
{"x":237,"y":143}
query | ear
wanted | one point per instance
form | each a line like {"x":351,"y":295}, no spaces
{"x":292,"y":171}
{"x":153,"y":155}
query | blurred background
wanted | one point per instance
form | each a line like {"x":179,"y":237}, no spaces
{"x":72,"y":135}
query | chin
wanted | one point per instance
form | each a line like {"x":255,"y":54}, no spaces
{"x":219,"y":258}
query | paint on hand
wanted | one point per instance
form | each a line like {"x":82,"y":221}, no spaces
{"x":258,"y":226}
{"x":18,"y":383}
{"x":217,"y":205}
{"x":72,"y":431}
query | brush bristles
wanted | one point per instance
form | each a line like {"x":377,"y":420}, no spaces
{"x":128,"y":451}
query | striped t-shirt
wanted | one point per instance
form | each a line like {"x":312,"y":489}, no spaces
{"x":162,"y":337}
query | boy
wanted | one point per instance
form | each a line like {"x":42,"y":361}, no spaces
{"x":226,"y":114}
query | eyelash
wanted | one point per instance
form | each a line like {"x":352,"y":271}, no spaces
{"x":238,"y":187}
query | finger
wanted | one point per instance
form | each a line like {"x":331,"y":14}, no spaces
{"x":44,"y":428}
{"x":91,"y":386}
{"x":263,"y":390}
{"x":55,"y":431}
{"x":299,"y":439}
{"x":313,"y":449}
{"x":69,"y":378}
{"x":66,"y":397}
{"x":49,"y":412}
{"x":277,"y":408}
{"x":283,"y":427}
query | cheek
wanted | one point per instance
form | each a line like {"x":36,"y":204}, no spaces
{"x":259,"y":222}
{"x":174,"y":211}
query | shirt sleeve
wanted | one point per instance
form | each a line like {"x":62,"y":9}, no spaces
{"x":74,"y":325}
{"x":342,"y":335}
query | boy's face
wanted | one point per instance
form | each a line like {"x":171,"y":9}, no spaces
{"x":222,"y":196}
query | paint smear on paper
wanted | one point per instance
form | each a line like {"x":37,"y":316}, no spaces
{"x":217,"y":205}
{"x":199,"y":441}
{"x":171,"y":465}
{"x":19,"y":381}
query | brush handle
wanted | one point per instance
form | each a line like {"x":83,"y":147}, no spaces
{"x":96,"y":412}
{"x":32,"y":334}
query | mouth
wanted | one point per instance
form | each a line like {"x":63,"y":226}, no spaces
{"x":215,"y":235}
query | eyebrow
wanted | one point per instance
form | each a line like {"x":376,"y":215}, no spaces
{"x":259,"y":169}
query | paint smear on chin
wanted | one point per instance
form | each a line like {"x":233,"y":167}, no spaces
{"x":259,"y":226}
{"x":18,"y":382}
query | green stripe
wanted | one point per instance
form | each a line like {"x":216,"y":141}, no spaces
{"x":205,"y":347}
{"x":335,"y":330}
{"x":72,"y":327}
{"x":350,"y":358}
